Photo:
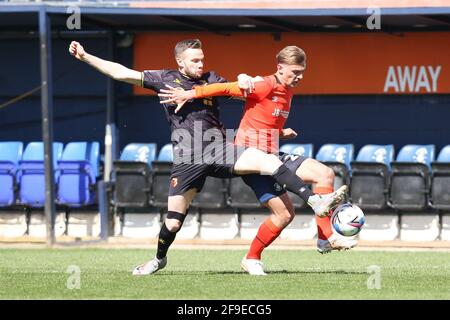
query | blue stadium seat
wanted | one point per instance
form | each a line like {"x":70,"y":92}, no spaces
{"x":410,"y":177}
{"x":440,"y":181}
{"x":376,"y":154}
{"x":139,"y":152}
{"x":133,"y":176}
{"x":32,"y":173}
{"x":78,"y":172}
{"x":414,"y":153}
{"x":166,"y":153}
{"x":10,"y":155}
{"x":305,"y":150}
{"x":338,"y":158}
{"x":161,"y":176}
{"x":444,"y":155}
{"x":369,"y":185}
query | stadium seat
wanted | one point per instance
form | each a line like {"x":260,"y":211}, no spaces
{"x":445,"y":227}
{"x":142,"y":224}
{"x":410,"y":177}
{"x":37,"y":226}
{"x":132,"y":175}
{"x":166,"y":153}
{"x":241,"y":196}
{"x":250,"y":221}
{"x":305,"y":150}
{"x":139,"y":152}
{"x":10,"y":155}
{"x":161,"y":175}
{"x":369,"y":185}
{"x":32,"y":173}
{"x":191,"y":226}
{"x":13,"y":223}
{"x":213,"y":194}
{"x":380,"y":227}
{"x":78,"y":172}
{"x":419,"y":227}
{"x":338,"y":158}
{"x":440,"y":180}
{"x":219,"y":225}
{"x":83,"y":224}
{"x":303,"y":227}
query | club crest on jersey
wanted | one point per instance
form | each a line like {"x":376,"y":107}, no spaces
{"x":174,"y":182}
{"x":177,"y":81}
{"x":275,"y":99}
{"x":277,"y":187}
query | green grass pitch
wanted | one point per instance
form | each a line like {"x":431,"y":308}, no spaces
{"x":215,"y":274}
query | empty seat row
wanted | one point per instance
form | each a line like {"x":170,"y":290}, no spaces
{"x":22,"y":173}
{"x":414,"y":181}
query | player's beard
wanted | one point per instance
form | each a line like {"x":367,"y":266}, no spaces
{"x":195,"y":75}
{"x":191,"y":74}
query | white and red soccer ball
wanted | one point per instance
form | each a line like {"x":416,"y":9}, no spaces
{"x":348,"y":219}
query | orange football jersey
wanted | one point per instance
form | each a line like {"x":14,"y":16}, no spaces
{"x":265,"y":114}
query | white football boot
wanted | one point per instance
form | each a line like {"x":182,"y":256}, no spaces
{"x":150,"y":267}
{"x":336,"y":242}
{"x":323,"y":204}
{"x":253,"y":267}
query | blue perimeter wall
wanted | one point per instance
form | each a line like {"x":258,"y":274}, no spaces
{"x":80,"y":104}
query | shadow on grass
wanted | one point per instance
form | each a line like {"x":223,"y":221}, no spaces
{"x":271,"y":272}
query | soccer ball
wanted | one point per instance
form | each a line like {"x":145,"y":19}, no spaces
{"x":347,"y":219}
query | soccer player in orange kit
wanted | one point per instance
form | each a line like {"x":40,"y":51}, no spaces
{"x":268,"y":102}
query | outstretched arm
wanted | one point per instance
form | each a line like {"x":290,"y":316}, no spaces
{"x":109,"y":68}
{"x":172,"y":95}
{"x":180,"y":96}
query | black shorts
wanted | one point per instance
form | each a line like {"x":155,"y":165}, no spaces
{"x":193,"y":173}
{"x":265,"y":187}
{"x":187,"y":176}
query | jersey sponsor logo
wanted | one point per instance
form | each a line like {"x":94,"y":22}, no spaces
{"x":284,"y":114}
{"x":277,"y":112}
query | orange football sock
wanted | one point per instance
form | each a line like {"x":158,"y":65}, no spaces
{"x":267,"y":233}
{"x":324,"y":230}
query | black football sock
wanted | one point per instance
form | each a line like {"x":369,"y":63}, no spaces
{"x":291,"y":182}
{"x":165,"y":239}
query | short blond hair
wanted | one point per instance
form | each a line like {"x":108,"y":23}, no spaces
{"x":292,"y":55}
